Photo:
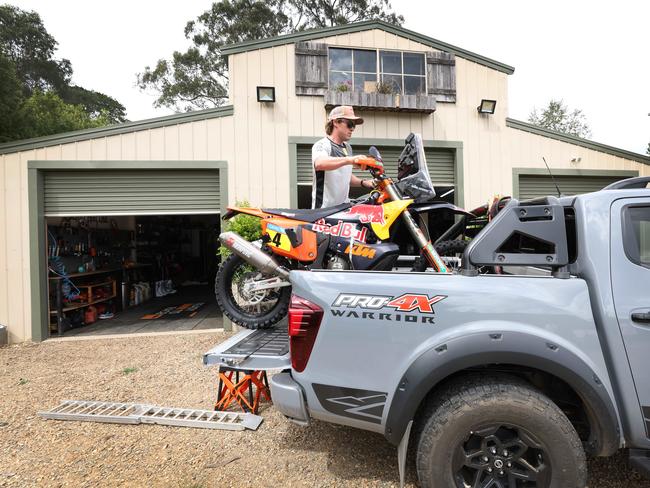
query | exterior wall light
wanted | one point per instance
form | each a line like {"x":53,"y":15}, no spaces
{"x":266,"y":94}
{"x":487,"y":106}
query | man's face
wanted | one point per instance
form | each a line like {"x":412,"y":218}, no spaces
{"x":344,"y":128}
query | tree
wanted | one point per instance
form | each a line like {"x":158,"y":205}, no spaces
{"x":10,"y":100}
{"x":198,"y":78}
{"x":648,"y":150}
{"x":45,"y":113}
{"x":556,"y":116}
{"x":32,"y":81}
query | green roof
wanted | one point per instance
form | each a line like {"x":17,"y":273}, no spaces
{"x":113,"y":130}
{"x":363,"y":26}
{"x":577,"y":141}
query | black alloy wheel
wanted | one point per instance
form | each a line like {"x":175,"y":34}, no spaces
{"x":501,"y":456}
{"x":496,"y":430}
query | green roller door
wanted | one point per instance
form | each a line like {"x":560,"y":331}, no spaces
{"x":532,"y":186}
{"x":439,"y":161}
{"x":130,"y":192}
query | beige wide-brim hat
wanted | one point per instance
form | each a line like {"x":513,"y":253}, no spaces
{"x":344,"y":112}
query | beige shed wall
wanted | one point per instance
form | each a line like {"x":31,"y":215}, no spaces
{"x":268,"y":126}
{"x":490,"y":149}
{"x":211,"y":139}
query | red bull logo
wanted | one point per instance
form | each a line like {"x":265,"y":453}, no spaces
{"x":369,"y":214}
{"x":341,"y":229}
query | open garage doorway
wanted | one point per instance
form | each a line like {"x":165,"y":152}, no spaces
{"x":132,"y":274}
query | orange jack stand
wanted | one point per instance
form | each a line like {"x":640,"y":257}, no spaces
{"x":253,"y":382}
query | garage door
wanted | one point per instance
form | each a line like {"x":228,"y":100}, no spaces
{"x":130,"y":192}
{"x":532,"y":186}
{"x":439,"y":161}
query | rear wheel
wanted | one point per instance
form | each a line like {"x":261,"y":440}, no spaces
{"x":497,"y":432}
{"x":249,"y":308}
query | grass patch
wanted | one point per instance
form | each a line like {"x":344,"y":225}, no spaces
{"x":129,"y":370}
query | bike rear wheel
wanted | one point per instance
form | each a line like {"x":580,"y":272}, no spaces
{"x":251,"y":309}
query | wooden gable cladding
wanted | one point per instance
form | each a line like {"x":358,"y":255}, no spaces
{"x":441,"y":76}
{"x":311,"y":68}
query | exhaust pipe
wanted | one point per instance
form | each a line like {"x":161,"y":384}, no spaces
{"x":253,"y":255}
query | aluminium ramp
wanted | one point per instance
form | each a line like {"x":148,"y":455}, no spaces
{"x":138,"y":413}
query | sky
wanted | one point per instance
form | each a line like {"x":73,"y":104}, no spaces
{"x":594,"y":55}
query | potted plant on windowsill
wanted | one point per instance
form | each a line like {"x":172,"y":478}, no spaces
{"x":378,"y":96}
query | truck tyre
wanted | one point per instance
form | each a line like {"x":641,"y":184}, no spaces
{"x":453,"y":248}
{"x":257,"y":310}
{"x":496,"y":431}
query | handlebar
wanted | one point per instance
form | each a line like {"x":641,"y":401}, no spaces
{"x":370,"y":163}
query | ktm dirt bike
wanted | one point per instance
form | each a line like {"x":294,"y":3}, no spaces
{"x":252,"y":285}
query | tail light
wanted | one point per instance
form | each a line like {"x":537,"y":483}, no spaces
{"x":304,"y":321}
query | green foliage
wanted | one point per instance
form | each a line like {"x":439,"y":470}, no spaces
{"x":45,"y":113}
{"x":198,"y":78}
{"x":385,"y":88}
{"x":556,"y":116}
{"x":23,"y":381}
{"x":24,"y":40}
{"x":129,"y":370}
{"x":345,"y":86}
{"x":32,"y":81}
{"x":247,"y":226}
{"x":10,"y":100}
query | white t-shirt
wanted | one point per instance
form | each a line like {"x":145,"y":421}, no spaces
{"x":331,"y":187}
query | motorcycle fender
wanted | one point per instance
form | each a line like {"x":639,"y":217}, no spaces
{"x":392,"y":210}
{"x":256,"y":212}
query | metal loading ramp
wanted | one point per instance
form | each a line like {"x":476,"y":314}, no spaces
{"x":138,"y":413}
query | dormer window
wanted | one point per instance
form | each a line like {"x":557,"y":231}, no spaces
{"x":351,"y":69}
{"x":361,"y":69}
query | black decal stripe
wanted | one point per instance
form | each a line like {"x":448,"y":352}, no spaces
{"x":320,"y":189}
{"x":351,"y":402}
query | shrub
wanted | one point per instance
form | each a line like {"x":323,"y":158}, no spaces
{"x":247,"y":226}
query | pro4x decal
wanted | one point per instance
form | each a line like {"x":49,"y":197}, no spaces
{"x":369,"y":306}
{"x":354,"y":403}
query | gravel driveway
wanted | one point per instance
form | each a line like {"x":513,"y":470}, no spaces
{"x":168,"y":370}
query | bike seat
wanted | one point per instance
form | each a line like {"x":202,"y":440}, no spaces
{"x":307,"y":214}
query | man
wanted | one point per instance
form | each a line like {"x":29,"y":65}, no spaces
{"x":332,"y":160}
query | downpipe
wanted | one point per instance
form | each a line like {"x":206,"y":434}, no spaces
{"x":253,"y":255}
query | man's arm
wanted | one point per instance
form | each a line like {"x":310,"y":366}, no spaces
{"x":329,"y":163}
{"x":356,"y":181}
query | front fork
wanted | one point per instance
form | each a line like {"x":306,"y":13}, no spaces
{"x":423,"y":243}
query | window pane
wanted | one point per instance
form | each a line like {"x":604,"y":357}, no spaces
{"x":637,"y":235}
{"x":361,"y":78}
{"x":413,"y":64}
{"x":341,"y":59}
{"x":394,"y":81}
{"x":365,"y":61}
{"x":413,"y":85}
{"x":391,"y":62}
{"x":340,"y":80}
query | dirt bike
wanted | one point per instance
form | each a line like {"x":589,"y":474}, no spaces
{"x":252,"y":286}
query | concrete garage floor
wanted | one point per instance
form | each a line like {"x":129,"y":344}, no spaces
{"x":130,"y":322}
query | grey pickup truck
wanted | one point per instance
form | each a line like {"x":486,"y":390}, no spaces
{"x":491,"y":380}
